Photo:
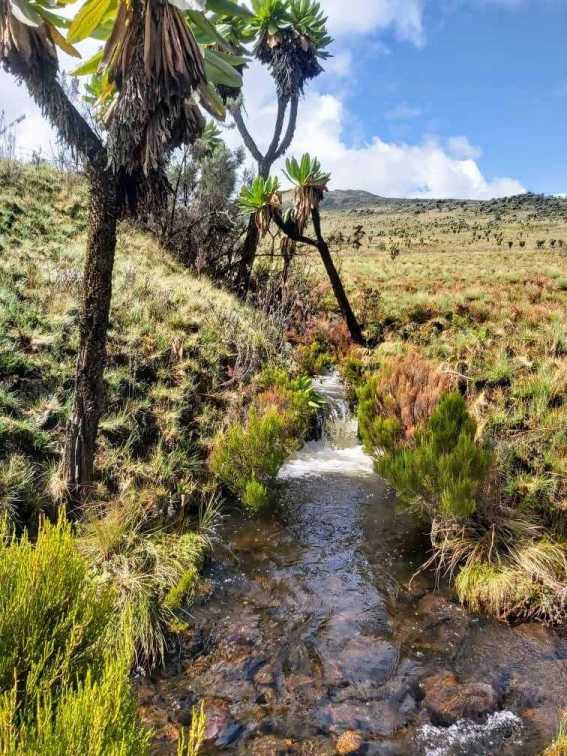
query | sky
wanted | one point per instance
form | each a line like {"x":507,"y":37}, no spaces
{"x":422,"y":98}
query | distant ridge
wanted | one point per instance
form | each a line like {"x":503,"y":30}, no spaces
{"x":359,"y":201}
{"x":348,"y":199}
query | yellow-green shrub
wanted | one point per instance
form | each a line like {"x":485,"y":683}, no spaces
{"x":253,"y":451}
{"x":64,"y":677}
{"x":248,"y":455}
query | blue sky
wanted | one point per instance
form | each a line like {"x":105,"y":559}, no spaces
{"x":495,"y":72}
{"x":427,"y":98}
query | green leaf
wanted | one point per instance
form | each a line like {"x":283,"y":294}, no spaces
{"x":52,"y":18}
{"x":212,"y":102}
{"x":90,"y":66}
{"x":88,"y":19}
{"x":220,"y":72}
{"x":25,"y":13}
{"x":207,"y":29}
{"x":228,"y":8}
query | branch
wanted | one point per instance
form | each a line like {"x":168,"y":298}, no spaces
{"x":246,"y":136}
{"x":48,"y":94}
{"x":290,"y":133}
{"x":290,"y":229}
{"x":273,"y":149}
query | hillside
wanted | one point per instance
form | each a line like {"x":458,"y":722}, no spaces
{"x":366,"y":203}
{"x":178,"y":348}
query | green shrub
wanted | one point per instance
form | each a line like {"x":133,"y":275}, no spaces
{"x":248,"y":455}
{"x":442,"y":471}
{"x":97,"y":716}
{"x":65,"y":681}
{"x":255,"y":497}
{"x":253,"y":451}
{"x":53,"y":618}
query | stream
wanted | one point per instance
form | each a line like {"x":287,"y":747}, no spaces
{"x":314,"y":639}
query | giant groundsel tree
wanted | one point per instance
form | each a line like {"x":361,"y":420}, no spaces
{"x":159,"y":64}
{"x":290,"y":38}
{"x":263,"y":201}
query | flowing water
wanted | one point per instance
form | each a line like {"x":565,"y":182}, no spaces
{"x":313,"y":628}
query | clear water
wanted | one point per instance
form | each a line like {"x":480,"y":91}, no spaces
{"x":314,"y":627}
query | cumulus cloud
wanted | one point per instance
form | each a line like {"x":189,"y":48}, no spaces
{"x":404,"y":17}
{"x":429,"y":169}
{"x":460,"y":148}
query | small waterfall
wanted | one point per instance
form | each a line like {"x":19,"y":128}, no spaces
{"x":339,"y":449}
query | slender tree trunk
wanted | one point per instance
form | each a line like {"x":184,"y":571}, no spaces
{"x":250,"y":246}
{"x":340,"y":294}
{"x":338,"y":288}
{"x":247,"y":258}
{"x":95,"y":310}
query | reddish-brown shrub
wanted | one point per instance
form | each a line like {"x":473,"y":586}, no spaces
{"x":409,"y":391}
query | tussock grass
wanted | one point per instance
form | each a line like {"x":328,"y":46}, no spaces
{"x":152,"y":573}
{"x":180,"y":350}
{"x":559,"y":745}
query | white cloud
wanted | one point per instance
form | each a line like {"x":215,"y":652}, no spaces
{"x":430,"y":168}
{"x":427,"y":169}
{"x":405,"y":17}
{"x":403,"y":112}
{"x":460,"y":148}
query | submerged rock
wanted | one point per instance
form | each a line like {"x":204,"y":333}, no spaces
{"x":349,"y":742}
{"x":448,"y":701}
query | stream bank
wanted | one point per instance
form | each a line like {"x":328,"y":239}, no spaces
{"x":313,"y":640}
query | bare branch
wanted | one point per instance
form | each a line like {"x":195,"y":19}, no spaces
{"x":273,"y":149}
{"x":246,"y":136}
{"x":291,"y":126}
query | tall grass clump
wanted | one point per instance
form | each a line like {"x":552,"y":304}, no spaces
{"x":559,"y":745}
{"x":152,"y":573}
{"x":190,"y":742}
{"x":64,"y":671}
{"x":249,"y":453}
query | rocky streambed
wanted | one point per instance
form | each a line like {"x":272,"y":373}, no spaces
{"x":315,"y":640}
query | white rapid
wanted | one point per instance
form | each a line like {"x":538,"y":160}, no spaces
{"x":338,"y":450}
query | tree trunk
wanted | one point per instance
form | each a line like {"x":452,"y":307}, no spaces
{"x":338,"y":288}
{"x":82,"y":428}
{"x":340,"y":294}
{"x":247,"y":258}
{"x":250,"y":246}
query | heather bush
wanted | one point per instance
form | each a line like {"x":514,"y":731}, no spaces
{"x":404,"y":392}
{"x":248,"y":455}
{"x":64,"y":671}
{"x":252,"y":451}
{"x":443,"y":470}
{"x":423,"y":438}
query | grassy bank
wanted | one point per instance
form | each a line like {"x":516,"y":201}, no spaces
{"x":188,"y":365}
{"x":478,"y":291}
